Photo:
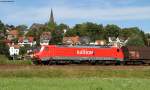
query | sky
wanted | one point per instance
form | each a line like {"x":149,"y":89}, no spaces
{"x":124,"y":13}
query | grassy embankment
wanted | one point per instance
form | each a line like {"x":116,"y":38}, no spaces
{"x":19,"y":68}
{"x":73,"y":84}
{"x":74,"y":71}
{"x":4,"y":61}
{"x":14,"y":76}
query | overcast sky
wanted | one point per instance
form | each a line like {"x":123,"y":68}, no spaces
{"x":125,"y":13}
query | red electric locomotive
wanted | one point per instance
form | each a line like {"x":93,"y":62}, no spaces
{"x":79,"y":54}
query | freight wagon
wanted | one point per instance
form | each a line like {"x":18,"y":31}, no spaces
{"x":137,"y":54}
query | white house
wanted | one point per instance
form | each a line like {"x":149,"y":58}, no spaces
{"x":44,"y":42}
{"x":26,"y":41}
{"x":45,"y":38}
{"x":14,"y":50}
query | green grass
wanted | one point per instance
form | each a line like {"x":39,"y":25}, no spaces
{"x":4,"y":60}
{"x":74,"y":72}
{"x":74,"y":84}
{"x":20,"y":75}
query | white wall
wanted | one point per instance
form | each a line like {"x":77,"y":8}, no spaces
{"x":13,"y":51}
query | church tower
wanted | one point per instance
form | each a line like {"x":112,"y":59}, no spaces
{"x":51,"y":20}
{"x":51,"y":23}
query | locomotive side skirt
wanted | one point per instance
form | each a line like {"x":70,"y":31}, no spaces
{"x":79,"y":58}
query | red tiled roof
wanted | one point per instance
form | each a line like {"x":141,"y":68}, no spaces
{"x":46,"y":33}
{"x":20,"y":39}
{"x":13,"y":32}
{"x":15,"y":46}
{"x":31,"y":39}
{"x":74,"y":40}
{"x":7,"y":41}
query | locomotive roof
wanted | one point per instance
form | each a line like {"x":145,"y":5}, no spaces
{"x":86,"y":46}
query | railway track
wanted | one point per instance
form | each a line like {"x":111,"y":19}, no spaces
{"x":71,"y":67}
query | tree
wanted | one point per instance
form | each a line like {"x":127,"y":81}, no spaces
{"x":92,"y":30}
{"x":95,"y":31}
{"x":2,"y":31}
{"x":36,"y":30}
{"x":80,"y":30}
{"x":22,"y":51}
{"x":21,"y":29}
{"x":84,"y":40}
{"x":51,"y":26}
{"x":57,"y":37}
{"x":15,"y":40}
{"x":147,"y":35}
{"x":112,"y":30}
{"x":137,"y":36}
{"x":4,"y":49}
{"x":62,"y":26}
{"x":2,"y":45}
{"x":135,"y":41}
{"x":126,"y":33}
{"x":71,"y":32}
{"x":144,"y":37}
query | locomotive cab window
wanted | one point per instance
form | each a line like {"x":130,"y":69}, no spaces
{"x":46,"y":49}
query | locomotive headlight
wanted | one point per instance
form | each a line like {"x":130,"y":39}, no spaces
{"x":35,"y":56}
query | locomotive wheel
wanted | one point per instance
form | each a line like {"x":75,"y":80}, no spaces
{"x":52,"y":62}
{"x":45,"y":62}
{"x":93,"y":62}
{"x":36,"y":62}
{"x":122,"y":63}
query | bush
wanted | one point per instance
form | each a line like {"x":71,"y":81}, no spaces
{"x":4,"y":60}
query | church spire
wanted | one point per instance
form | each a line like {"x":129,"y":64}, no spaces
{"x":51,"y":20}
